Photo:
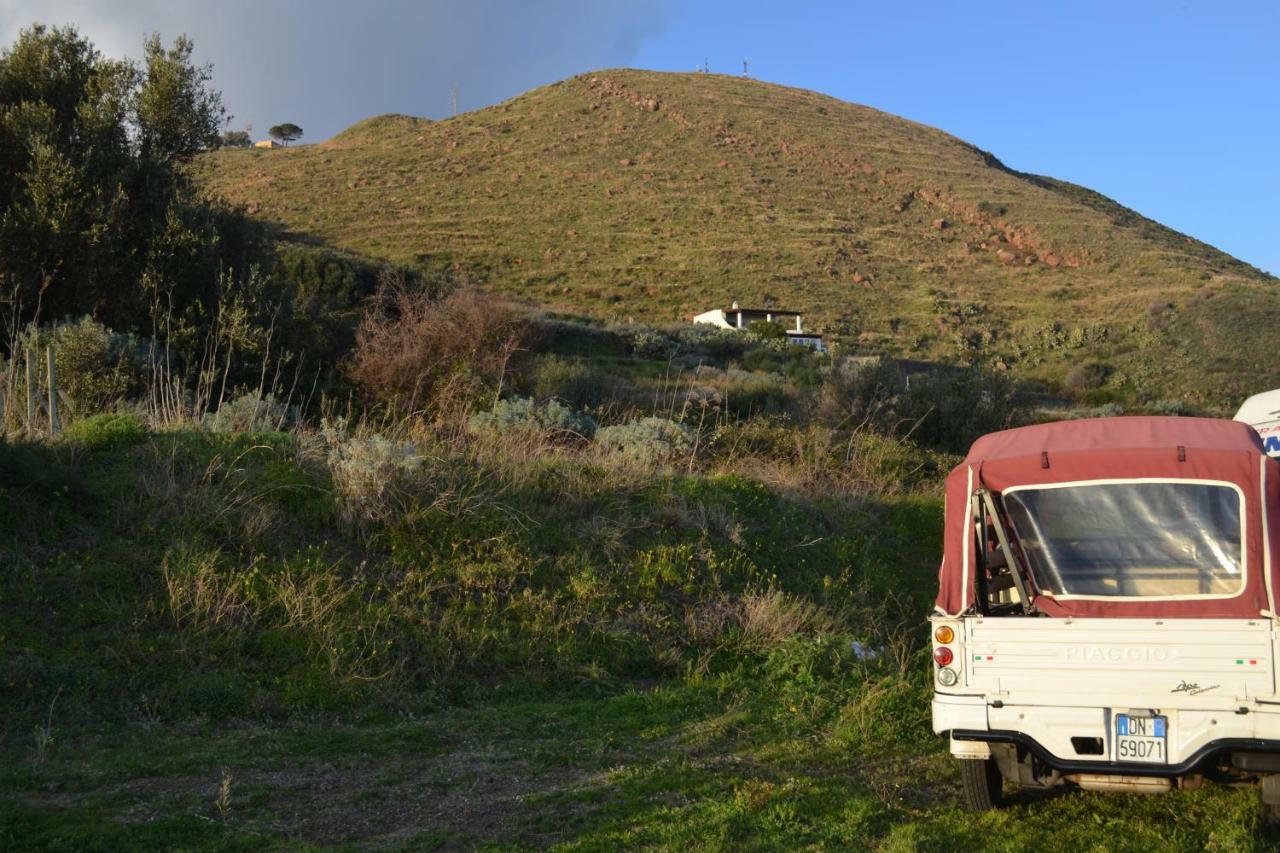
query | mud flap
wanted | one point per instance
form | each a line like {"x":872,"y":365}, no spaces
{"x":970,"y":749}
{"x":1271,"y":790}
{"x":1270,"y":795}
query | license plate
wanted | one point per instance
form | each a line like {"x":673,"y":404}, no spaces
{"x":1141,"y":739}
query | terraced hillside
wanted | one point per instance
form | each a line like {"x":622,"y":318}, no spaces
{"x":650,"y":196}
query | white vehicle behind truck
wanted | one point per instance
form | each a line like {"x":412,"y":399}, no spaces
{"x":1106,"y":611}
{"x":1262,"y":412}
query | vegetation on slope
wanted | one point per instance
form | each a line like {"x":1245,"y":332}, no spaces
{"x":650,"y":197}
{"x":667,"y":590}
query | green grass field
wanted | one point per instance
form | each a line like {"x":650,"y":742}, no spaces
{"x":202,"y":648}
{"x":648,"y":197}
{"x":708,"y":766}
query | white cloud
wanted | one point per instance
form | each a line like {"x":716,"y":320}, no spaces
{"x":325,"y":64}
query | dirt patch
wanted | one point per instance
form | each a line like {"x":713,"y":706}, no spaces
{"x":465,"y":796}
{"x":470,"y":794}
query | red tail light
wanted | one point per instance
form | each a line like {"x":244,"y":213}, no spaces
{"x":942,"y":656}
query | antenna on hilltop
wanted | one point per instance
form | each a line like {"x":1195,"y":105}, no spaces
{"x":745,"y":72}
{"x":706,"y":66}
{"x":453,"y":97}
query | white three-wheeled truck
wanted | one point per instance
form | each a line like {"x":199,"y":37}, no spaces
{"x":1107,"y":610}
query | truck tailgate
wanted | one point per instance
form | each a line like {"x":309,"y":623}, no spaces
{"x":1182,"y":663}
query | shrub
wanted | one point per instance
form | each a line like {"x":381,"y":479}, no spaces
{"x":101,"y":432}
{"x":1087,"y":376}
{"x":416,"y":351}
{"x":747,"y":393}
{"x":521,"y":414}
{"x":574,"y":382}
{"x":1159,"y":313}
{"x":371,"y":475}
{"x":712,"y":340}
{"x":1107,"y":410}
{"x":649,"y":440}
{"x":651,"y":343}
{"x":949,"y":409}
{"x":863,"y":391}
{"x":96,"y":366}
{"x":251,"y":412}
{"x":324,"y":293}
{"x":1172,"y":407}
{"x":767,"y":331}
{"x":577,"y":338}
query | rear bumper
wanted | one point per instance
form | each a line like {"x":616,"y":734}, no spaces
{"x":1206,"y":754}
{"x":1081,"y":739}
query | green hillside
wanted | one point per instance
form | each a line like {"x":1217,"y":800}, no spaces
{"x":646,"y":197}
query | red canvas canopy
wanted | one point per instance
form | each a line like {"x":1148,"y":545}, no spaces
{"x":1128,"y":448}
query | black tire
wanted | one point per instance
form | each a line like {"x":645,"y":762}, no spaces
{"x":981,"y":782}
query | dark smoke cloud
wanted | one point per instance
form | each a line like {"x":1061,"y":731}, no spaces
{"x":324,"y":64}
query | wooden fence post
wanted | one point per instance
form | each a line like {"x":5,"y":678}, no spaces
{"x":54,"y":426}
{"x":31,"y":397}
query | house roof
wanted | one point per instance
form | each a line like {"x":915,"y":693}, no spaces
{"x":777,"y":312}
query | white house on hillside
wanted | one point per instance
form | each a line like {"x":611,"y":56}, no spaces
{"x":737,"y":317}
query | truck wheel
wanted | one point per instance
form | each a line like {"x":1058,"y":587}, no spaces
{"x":982,"y":784}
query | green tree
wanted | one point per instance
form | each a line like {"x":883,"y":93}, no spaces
{"x":767,"y":331}
{"x":286,"y":132}
{"x":65,"y":167}
{"x":176,"y":112}
{"x":94,"y":203}
{"x":236,"y":139}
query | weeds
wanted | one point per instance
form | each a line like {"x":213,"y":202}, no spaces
{"x":772,"y":617}
{"x":222,"y":803}
{"x":42,"y":736}
{"x":203,"y":595}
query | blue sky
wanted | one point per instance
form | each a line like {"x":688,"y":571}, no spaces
{"x":1170,"y":108}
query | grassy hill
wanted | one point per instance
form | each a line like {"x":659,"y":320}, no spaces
{"x":646,"y":197}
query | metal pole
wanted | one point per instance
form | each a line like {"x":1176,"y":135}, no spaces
{"x":53,"y":393}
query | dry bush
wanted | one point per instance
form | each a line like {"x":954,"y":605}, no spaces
{"x":772,"y":617}
{"x":818,"y":460}
{"x":418,"y":353}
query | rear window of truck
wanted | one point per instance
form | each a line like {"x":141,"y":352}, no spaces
{"x":1139,"y":539}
